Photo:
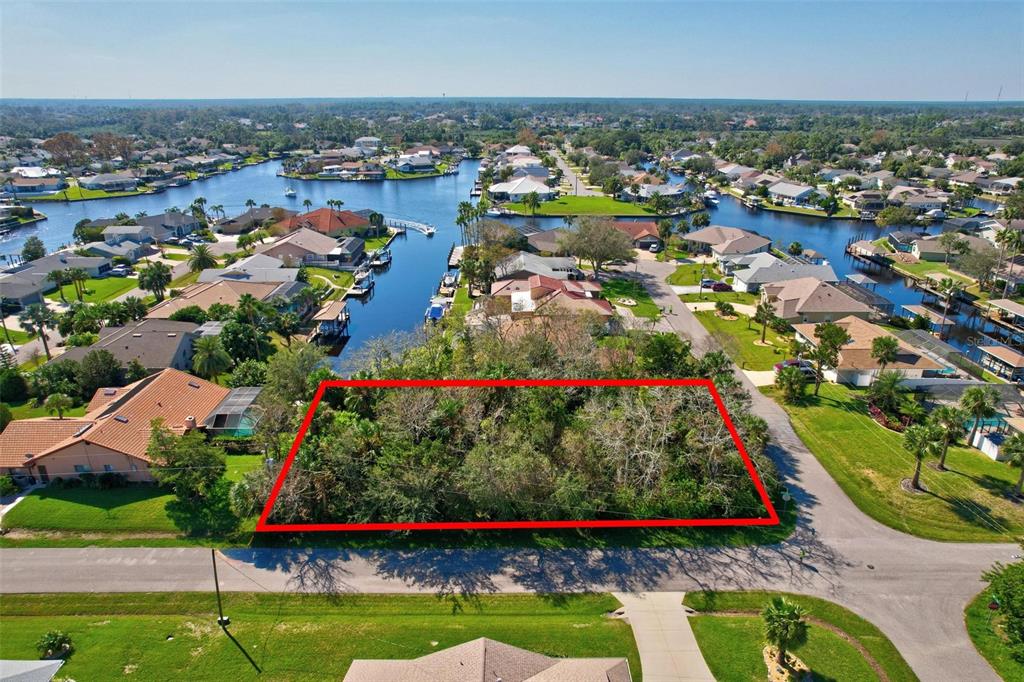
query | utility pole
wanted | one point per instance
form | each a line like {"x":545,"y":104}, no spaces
{"x":222,"y":620}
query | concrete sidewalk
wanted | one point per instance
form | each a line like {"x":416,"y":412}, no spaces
{"x":668,"y":649}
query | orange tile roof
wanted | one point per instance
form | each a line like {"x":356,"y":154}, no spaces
{"x":327,"y":221}
{"x":121,"y":423}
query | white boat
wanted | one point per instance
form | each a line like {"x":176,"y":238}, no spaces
{"x":494,"y":212}
{"x":290,"y":193}
{"x":711,"y":194}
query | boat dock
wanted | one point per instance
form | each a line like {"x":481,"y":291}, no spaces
{"x":403,"y":225}
{"x":455,"y":256}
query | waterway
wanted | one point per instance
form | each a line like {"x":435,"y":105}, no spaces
{"x":402,"y":293}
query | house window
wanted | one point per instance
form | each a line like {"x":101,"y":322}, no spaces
{"x":82,"y":469}
{"x":108,"y":467}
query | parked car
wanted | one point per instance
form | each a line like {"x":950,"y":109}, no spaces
{"x":708,"y":283}
{"x":721,"y":286}
{"x":804,"y":366}
{"x":655,"y":248}
{"x":120,"y":271}
{"x":172,"y":240}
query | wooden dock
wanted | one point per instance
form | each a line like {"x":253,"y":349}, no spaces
{"x":455,"y":256}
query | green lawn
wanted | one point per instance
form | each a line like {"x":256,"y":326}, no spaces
{"x":615,"y":289}
{"x":17,"y":337}
{"x":97,"y":290}
{"x":341,"y":280}
{"x":689,"y":274}
{"x":573,"y":205}
{"x":731,"y":644}
{"x":983,"y":625}
{"x":134,"y":509}
{"x":392,"y":174}
{"x":183,"y":281}
{"x":965,"y":504}
{"x":76,"y":193}
{"x":28,"y":410}
{"x":843,"y":212}
{"x":371,"y":244}
{"x":743,"y":297}
{"x":462,"y":303}
{"x":737,"y":338}
{"x":299,"y":637}
{"x":172,"y":255}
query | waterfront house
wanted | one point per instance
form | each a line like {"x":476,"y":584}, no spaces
{"x":110,"y":182}
{"x":902,"y":240}
{"x":1004,"y":185}
{"x":25,"y":283}
{"x":113,"y":435}
{"x":368,"y":143}
{"x":420,"y":163}
{"x":725,"y":241}
{"x":646,"y":191}
{"x":329,"y":222}
{"x":36,"y":185}
{"x":547,"y":242}
{"x":929,"y":249}
{"x":791,"y":193}
{"x":486,"y":660}
{"x":154,"y":343}
{"x":856,"y":366}
{"x":643,"y":233}
{"x":523,"y":265}
{"x":752,"y":271}
{"x":254,"y":218}
{"x":127,"y":249}
{"x":867,"y":200}
{"x":810,"y":300}
{"x":226,"y":291}
{"x":1004,"y":362}
{"x":170,"y":224}
{"x":136,"y":234}
{"x":313,"y":248}
{"x":516,"y":190}
{"x":539,"y":293}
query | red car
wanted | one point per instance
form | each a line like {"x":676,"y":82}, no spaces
{"x":721,"y":286}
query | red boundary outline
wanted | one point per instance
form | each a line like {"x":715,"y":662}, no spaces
{"x":262,"y":526}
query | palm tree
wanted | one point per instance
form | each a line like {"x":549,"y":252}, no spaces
{"x":209,"y":359}
{"x":307,"y":204}
{"x":949,"y":288}
{"x":884,"y":349}
{"x":1012,"y":241}
{"x":791,"y":382}
{"x":36,"y":319}
{"x":1013,"y":449}
{"x":785,"y":626}
{"x":287,"y":325}
{"x":155,"y":278}
{"x":60,"y":278}
{"x":978,"y":402}
{"x":217,"y":210}
{"x":658,"y":203}
{"x":78,"y":277}
{"x":886,"y":391}
{"x":248,"y":308}
{"x":245,"y":241}
{"x":921,"y":440}
{"x":201,"y":259}
{"x":532,"y":202}
{"x":463,"y":216}
{"x":134,"y":307}
{"x":59,"y":403}
{"x":764,"y":314}
{"x":795,"y":248}
{"x":949,"y":421}
{"x":7,"y":332}
{"x":250,"y":203}
{"x":199,"y":207}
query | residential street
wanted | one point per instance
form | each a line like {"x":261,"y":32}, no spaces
{"x":914,"y":590}
{"x":578,"y":185}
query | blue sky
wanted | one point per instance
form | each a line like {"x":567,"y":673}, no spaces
{"x":771,"y":50}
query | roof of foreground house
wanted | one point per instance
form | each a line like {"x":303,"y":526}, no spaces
{"x":856,"y":354}
{"x":205,"y":294}
{"x":119,"y":419}
{"x":485,"y":660}
{"x":805,"y":295}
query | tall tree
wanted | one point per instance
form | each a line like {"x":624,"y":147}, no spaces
{"x":201,"y":259}
{"x":1013,"y":450}
{"x":978,"y":402}
{"x":33,"y":249}
{"x":831,"y":338}
{"x":209,"y":359}
{"x":59,"y":403}
{"x":884,"y":349}
{"x":764,"y":314}
{"x":60,"y":278}
{"x":596,"y":240}
{"x":36,"y":319}
{"x":949,"y":288}
{"x":921,"y":441}
{"x":532,"y":202}
{"x":155,"y":278}
{"x":949,"y":422}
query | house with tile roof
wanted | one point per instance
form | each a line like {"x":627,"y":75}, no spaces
{"x":643,"y":233}
{"x":486,"y":660}
{"x":113,"y":435}
{"x":153,"y":343}
{"x":539,"y":293}
{"x":722,"y":241}
{"x":856,"y":366}
{"x":205,"y":294}
{"x":313,"y":248}
{"x":810,"y":300}
{"x":329,"y":222}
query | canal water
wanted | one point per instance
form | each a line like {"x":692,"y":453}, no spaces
{"x":402,"y":293}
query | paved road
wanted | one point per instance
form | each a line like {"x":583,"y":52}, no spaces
{"x":578,"y":185}
{"x":914,"y":590}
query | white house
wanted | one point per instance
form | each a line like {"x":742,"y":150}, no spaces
{"x":518,"y":188}
{"x":791,"y":192}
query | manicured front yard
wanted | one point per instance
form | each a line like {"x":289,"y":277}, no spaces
{"x":968,"y":503}
{"x":294,"y":636}
{"x":615,"y":289}
{"x":17,"y":337}
{"x":97,"y":290}
{"x":76,"y":193}
{"x":371,"y":244}
{"x":737,"y":339}
{"x":134,"y":509}
{"x":689,"y":274}
{"x":335,"y":277}
{"x":573,"y":205}
{"x":983,"y":625}
{"x":731,"y":644}
{"x":462,"y":303}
